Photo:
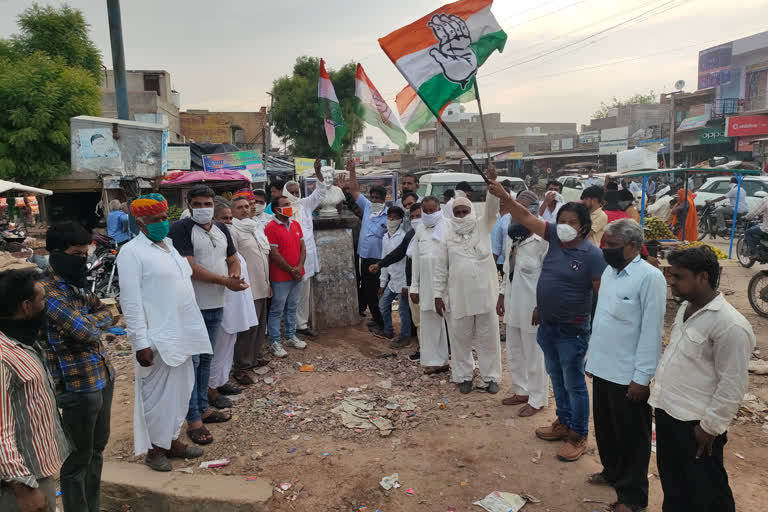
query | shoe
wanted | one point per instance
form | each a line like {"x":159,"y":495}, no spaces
{"x":379,"y":333}
{"x":307,"y":332}
{"x":493,"y":388}
{"x":296,"y":343}
{"x":416,"y":356}
{"x":465,"y":387}
{"x":371,"y":323}
{"x":229,"y":390}
{"x":242,"y":377}
{"x":278,"y":350}
{"x":400,"y":342}
{"x":574,"y":447}
{"x":555,"y":432}
{"x":159,"y":463}
{"x":221,"y":402}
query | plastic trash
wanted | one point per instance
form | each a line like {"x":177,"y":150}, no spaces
{"x":307,"y":368}
{"x":117,"y":330}
{"x":410,"y":492}
{"x":286,"y":485}
{"x":219,"y":463}
{"x":389,"y":482}
{"x":501,"y":502}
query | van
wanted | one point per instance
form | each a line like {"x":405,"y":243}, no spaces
{"x":435,"y":184}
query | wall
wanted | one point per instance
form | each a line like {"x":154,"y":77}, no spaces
{"x":205,"y":126}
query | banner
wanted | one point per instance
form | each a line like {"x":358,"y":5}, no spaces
{"x":237,"y":161}
{"x":620,"y":133}
{"x":179,"y":158}
{"x":306,"y":166}
{"x":746,"y":125}
{"x":555,"y":145}
{"x":744,"y":144}
{"x":613,"y":146}
{"x":566,"y":143}
{"x":713,"y":135}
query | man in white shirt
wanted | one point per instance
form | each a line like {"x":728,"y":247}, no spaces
{"x":410,"y":184}
{"x":753,"y":234}
{"x":553,"y":201}
{"x":166,"y":329}
{"x":661,"y":207}
{"x":302,"y":213}
{"x":258,"y":205}
{"x":433,"y":337}
{"x":466,"y":285}
{"x":392,"y":279}
{"x":727,"y":210}
{"x":623,"y":351}
{"x":699,"y":385}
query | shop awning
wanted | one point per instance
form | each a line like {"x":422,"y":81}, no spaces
{"x":10,"y":185}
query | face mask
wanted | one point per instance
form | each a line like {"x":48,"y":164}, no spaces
{"x":566,"y":233}
{"x":415,"y":223}
{"x":377,"y":208}
{"x":430,"y":219}
{"x":158,"y":230}
{"x":392,"y":226}
{"x":286,"y":211}
{"x":70,"y":267}
{"x":202,"y":215}
{"x":518,"y":232}
{"x":614,"y":257}
{"x":25,"y":330}
{"x":465,"y":225}
{"x":258,"y":209}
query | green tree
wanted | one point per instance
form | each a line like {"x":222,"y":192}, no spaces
{"x":295,"y":109}
{"x":635,"y":99}
{"x":410,"y":147}
{"x":47,"y":76}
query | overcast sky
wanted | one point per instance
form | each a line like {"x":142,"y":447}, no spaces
{"x":224,"y":54}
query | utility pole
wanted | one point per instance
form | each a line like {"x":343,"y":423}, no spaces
{"x":118,"y":58}
{"x":269,"y":130}
{"x":672,"y":133}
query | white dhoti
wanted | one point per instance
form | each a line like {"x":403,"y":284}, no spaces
{"x":433,"y":339}
{"x":223,"y":355}
{"x":160,"y":404}
{"x":525,"y":363}
{"x":485,"y":328}
{"x":302,"y":310}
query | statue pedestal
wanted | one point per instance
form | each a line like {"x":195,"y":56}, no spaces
{"x":334,"y":288}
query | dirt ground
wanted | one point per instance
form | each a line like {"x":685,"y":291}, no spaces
{"x":451,"y":450}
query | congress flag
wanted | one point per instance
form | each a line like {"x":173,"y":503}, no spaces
{"x":414,"y":114}
{"x":329,"y":110}
{"x":440,"y":53}
{"x":371,"y":108}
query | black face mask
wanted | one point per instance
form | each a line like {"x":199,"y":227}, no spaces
{"x":72,"y":268}
{"x":25,"y":330}
{"x":614,"y":257}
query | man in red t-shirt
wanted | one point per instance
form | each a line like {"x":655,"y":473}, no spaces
{"x":286,"y":268}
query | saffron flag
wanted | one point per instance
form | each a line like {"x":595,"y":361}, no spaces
{"x":329,"y":109}
{"x":440,"y":53}
{"x":414,"y":113}
{"x":371,"y":108}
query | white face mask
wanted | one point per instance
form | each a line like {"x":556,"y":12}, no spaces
{"x":202,"y":215}
{"x":258,"y":209}
{"x":377,"y":208}
{"x":415,"y":223}
{"x":431,"y":219}
{"x":392,"y":226}
{"x":466,"y":224}
{"x":566,"y":233}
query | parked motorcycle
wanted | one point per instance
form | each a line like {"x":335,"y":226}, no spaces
{"x":102,"y":268}
{"x":708,"y":223}
{"x":757,"y":290}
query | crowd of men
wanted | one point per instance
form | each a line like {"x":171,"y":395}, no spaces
{"x":204,"y":299}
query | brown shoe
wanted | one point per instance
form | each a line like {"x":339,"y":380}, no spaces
{"x":574,"y":447}
{"x":242,"y":377}
{"x":515,"y":400}
{"x":555,"y":432}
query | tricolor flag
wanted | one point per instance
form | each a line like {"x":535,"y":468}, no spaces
{"x":371,"y":108}
{"x":414,"y":114}
{"x":329,"y":109}
{"x":439,"y":54}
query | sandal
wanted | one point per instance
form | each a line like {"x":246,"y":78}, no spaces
{"x":598,"y":479}
{"x":200,"y":436}
{"x":221,"y":402}
{"x":229,"y":389}
{"x":217,"y":417}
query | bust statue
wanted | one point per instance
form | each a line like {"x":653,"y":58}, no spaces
{"x":333,"y":196}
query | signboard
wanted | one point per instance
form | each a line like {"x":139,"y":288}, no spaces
{"x":555,"y":145}
{"x":744,"y":144}
{"x":715,"y":66}
{"x":512,"y":155}
{"x":306,"y":166}
{"x":620,"y":133}
{"x":237,"y":161}
{"x":693,"y":123}
{"x":589,"y":137}
{"x":713,"y":135}
{"x":566,"y":143}
{"x":179,"y":158}
{"x":613,"y":146}
{"x":664,"y":150}
{"x":746,"y":125}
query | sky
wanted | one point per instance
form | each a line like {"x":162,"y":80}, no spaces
{"x":563,"y":57}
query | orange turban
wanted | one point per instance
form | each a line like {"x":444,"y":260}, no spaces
{"x":150,"y":204}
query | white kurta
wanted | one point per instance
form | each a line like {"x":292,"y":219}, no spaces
{"x":308,"y":205}
{"x":239,"y":315}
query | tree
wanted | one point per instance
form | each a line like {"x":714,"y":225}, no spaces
{"x":410,"y":147}
{"x":47,"y":76}
{"x":295,"y":109}
{"x":636,"y":99}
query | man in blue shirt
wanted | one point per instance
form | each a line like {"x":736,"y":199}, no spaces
{"x":623,"y":352}
{"x":117,"y":222}
{"x":372,"y":229}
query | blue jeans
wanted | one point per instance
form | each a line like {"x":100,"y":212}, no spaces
{"x":752,"y":238}
{"x":285,"y":299}
{"x":385,"y":306}
{"x":198,"y":402}
{"x":565,"y":346}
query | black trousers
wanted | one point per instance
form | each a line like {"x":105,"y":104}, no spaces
{"x":623,"y":434}
{"x":369,"y":290}
{"x":690,"y":483}
{"x":361,"y":305}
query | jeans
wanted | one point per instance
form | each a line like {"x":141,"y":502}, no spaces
{"x":85,"y":418}
{"x":285,"y":300}
{"x":198,"y":402}
{"x":752,"y":238}
{"x":565,"y":346}
{"x":385,"y":306}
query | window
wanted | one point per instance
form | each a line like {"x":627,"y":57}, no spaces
{"x":721,"y":187}
{"x":752,"y":186}
{"x":469,"y":142}
{"x":152,"y":83}
{"x":478,"y":191}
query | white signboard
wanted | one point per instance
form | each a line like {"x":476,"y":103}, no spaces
{"x":555,"y":145}
{"x":566,"y":143}
{"x":179,"y":158}
{"x":613,"y":146}
{"x":620,"y":133}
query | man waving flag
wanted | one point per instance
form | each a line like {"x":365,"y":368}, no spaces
{"x":440,"y":53}
{"x":329,"y":109}
{"x":371,"y":107}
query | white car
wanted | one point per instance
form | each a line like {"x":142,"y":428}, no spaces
{"x":756,"y":188}
{"x":573,"y":186}
{"x":435,"y":184}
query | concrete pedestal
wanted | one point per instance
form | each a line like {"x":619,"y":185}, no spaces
{"x":334,"y":288}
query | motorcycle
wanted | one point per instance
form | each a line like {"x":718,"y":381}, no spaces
{"x":102,"y":268}
{"x":757,"y":290}
{"x":708,"y":223}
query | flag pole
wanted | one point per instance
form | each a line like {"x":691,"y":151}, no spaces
{"x":482,"y":121}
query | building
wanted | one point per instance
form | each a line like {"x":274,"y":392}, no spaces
{"x":246,"y":130}
{"x":642,"y":120}
{"x":151,"y":99}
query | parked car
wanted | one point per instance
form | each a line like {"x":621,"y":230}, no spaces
{"x":436,"y":184}
{"x":756,"y":188}
{"x":573,"y":186}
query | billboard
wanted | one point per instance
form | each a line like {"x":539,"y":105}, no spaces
{"x":613,"y":146}
{"x":566,"y":143}
{"x":620,"y":133}
{"x":662,"y":144}
{"x":179,"y":158}
{"x":713,"y":135}
{"x":555,"y":144}
{"x":306,"y":166}
{"x":746,"y":125}
{"x":237,"y":161}
{"x":715,"y":66}
{"x":589,"y":137}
